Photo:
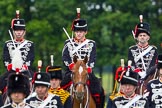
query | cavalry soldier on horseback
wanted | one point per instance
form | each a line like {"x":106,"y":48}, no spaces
{"x":18,"y":89}
{"x":154,"y":86}
{"x":18,"y":44}
{"x":17,"y":66}
{"x":142,"y":55}
{"x":129,"y":99}
{"x":55,"y":73}
{"x":80,"y":46}
{"x":18,"y":53}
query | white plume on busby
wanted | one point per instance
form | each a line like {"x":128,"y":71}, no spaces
{"x":159,"y":65}
{"x":18,"y":83}
{"x":131,"y":78}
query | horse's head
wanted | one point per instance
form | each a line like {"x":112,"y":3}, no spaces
{"x":79,"y":77}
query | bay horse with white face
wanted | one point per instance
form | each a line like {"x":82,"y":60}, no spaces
{"x":81,"y":95}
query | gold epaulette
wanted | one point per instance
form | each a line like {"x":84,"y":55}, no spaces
{"x":62,"y":93}
{"x":0,"y":92}
{"x":113,"y":96}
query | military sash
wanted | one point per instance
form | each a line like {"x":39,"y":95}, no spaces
{"x":136,"y":98}
{"x":46,"y":101}
{"x":143,"y":53}
{"x":79,"y":46}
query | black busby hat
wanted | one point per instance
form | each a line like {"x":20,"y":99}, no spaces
{"x":130,"y":77}
{"x":18,"y":83}
{"x":41,"y":79}
{"x":80,"y":25}
{"x":142,"y":27}
{"x":55,"y":72}
{"x":159,"y":64}
{"x":18,"y":24}
{"x":27,"y":73}
{"x":24,"y":72}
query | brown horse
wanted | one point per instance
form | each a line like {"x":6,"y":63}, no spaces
{"x":80,"y":92}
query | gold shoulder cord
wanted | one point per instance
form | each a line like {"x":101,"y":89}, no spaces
{"x":114,"y":95}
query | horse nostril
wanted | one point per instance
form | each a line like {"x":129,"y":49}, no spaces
{"x":80,"y":95}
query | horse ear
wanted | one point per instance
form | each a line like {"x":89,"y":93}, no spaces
{"x":85,"y":59}
{"x":75,"y":58}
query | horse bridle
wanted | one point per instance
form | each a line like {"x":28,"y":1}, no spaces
{"x":77,"y":83}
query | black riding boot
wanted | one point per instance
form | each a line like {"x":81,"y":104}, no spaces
{"x":102,"y":98}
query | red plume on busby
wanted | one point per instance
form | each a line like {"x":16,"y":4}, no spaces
{"x":118,"y":76}
{"x":18,"y":83}
{"x":119,"y":73}
{"x":16,"y":23}
{"x":78,"y":17}
{"x":142,"y":27}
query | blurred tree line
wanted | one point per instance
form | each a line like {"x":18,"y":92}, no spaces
{"x":110,"y":23}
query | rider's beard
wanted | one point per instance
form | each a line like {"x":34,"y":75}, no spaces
{"x":143,"y":41}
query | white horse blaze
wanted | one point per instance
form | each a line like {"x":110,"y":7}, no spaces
{"x":80,"y":70}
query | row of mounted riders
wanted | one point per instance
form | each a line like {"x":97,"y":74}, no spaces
{"x":86,"y":87}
